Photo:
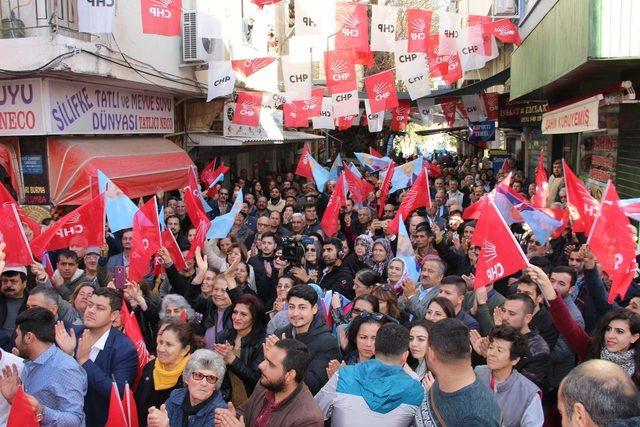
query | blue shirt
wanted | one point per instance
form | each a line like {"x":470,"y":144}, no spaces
{"x":59,"y":383}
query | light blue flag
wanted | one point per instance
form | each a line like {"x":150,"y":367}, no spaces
{"x":336,"y":168}
{"x":320,"y":174}
{"x":221,"y":225}
{"x":163,"y":226}
{"x":405,"y":252}
{"x":542,"y":225}
{"x":404,"y":175}
{"x":120,"y":209}
{"x":204,"y":203}
{"x":355,"y":170}
{"x":373,"y":163}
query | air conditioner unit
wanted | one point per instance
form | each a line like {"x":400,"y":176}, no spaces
{"x":197,"y":50}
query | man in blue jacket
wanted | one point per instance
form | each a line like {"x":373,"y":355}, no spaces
{"x":105,"y":353}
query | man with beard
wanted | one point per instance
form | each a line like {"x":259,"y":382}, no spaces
{"x":13,"y":298}
{"x":280,"y":398}
{"x":66,"y":277}
{"x":265,"y":271}
{"x":54,"y":383}
{"x":261,"y":207}
{"x":276,"y":203}
{"x":336,"y":276}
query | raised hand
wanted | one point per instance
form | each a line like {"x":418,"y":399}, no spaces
{"x":158,"y":417}
{"x":479,"y":344}
{"x":65,"y":340}
{"x":428,"y":381}
{"x":9,"y":382}
{"x":333,"y":367}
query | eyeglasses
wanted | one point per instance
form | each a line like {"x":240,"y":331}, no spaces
{"x":264,"y":224}
{"x":224,"y":194}
{"x":311,"y":249}
{"x":199,"y":376}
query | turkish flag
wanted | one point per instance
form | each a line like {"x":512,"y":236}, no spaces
{"x":146,"y":240}
{"x":294,"y":115}
{"x":491,"y":105}
{"x":374,"y":152}
{"x":17,"y":251}
{"x":612,"y":244}
{"x":331,"y":219}
{"x":115,"y":416}
{"x":192,"y":180}
{"x":162,"y":17}
{"x":434,"y":170}
{"x":358,"y":187}
{"x":195,"y":211}
{"x":500,"y":254}
{"x":129,"y":407}
{"x":247,"y":67}
{"x":386,"y":186}
{"x":340,"y":71}
{"x":247,"y":111}
{"x":400,"y":116}
{"x":199,"y":238}
{"x":505,"y":31}
{"x":216,"y":177}
{"x":474,"y":209}
{"x":419,"y":26}
{"x":381,"y":91}
{"x":131,"y":329}
{"x":169,"y":242}
{"x":304,"y":166}
{"x":449,"y":111}
{"x":418,"y":196}
{"x":542,"y":185}
{"x":206,"y":175}
{"x":21,"y":413}
{"x":86,"y":222}
{"x":579,"y":201}
{"x":352,"y":27}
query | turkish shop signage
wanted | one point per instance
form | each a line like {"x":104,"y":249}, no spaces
{"x":56,"y":107}
{"x":518,"y":114}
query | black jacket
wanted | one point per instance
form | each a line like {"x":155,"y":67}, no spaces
{"x":322,"y":346}
{"x":244,"y":367}
{"x":7,"y":343}
{"x":338,"y":279}
{"x":266,"y":286}
{"x":147,"y":396}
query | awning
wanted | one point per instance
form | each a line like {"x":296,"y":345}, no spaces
{"x":212,"y":140}
{"x":474,"y":88}
{"x":139,"y":166}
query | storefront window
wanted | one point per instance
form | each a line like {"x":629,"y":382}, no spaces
{"x":598,"y":151}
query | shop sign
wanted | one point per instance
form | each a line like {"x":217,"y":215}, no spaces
{"x":483,"y":131}
{"x":21,"y":107}
{"x":270,"y":126}
{"x":32,"y":164}
{"x":518,"y":114}
{"x":33,"y":159}
{"x":77,"y":108}
{"x":581,"y":116}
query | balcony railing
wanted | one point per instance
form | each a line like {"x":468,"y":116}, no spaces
{"x":37,"y":18}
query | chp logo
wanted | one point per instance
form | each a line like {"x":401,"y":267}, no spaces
{"x":340,"y":70}
{"x":350,"y":26}
{"x":160,"y":9}
{"x":72,"y":227}
{"x":490,"y":255}
{"x":310,"y":104}
{"x":247,"y":108}
{"x":418,"y":26}
{"x":504,"y":30}
{"x":381,"y":91}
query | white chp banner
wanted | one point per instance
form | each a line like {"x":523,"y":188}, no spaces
{"x":221,"y":79}
{"x":76,"y":108}
{"x":325,"y":119}
{"x":95,"y":16}
{"x":345,"y":104}
{"x":425,"y":109}
{"x":471,"y":49}
{"x":413,"y":69}
{"x":270,"y":125}
{"x":297,"y":78}
{"x":581,"y":116}
{"x":449,"y":33}
{"x":375,"y":120}
{"x":308,"y":19}
{"x":383,"y":28}
{"x":474,"y":106}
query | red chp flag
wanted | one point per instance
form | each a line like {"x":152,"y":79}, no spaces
{"x":199,"y":238}
{"x":359,"y":188}
{"x":21,"y":413}
{"x":491,"y":105}
{"x":206,"y":175}
{"x":169,"y":242}
{"x":129,"y":407}
{"x":312,"y":107}
{"x":115,"y":416}
{"x":374,"y":152}
{"x":162,"y":17}
{"x":487,"y":37}
{"x":304,"y":166}
{"x":505,"y":31}
{"x":247,"y":111}
{"x":446,"y":66}
{"x":500,"y":254}
{"x":352,"y":27}
{"x":579,"y":201}
{"x":17,"y":251}
{"x":146,"y":240}
{"x":331,"y":219}
{"x":247,"y":67}
{"x":294,"y":116}
{"x":340,"y":69}
{"x":345,"y":122}
{"x":419,"y":26}
{"x":381,"y":91}
{"x":542,"y":185}
{"x":449,"y":111}
{"x":132,"y":330}
{"x":400,"y":116}
{"x":417,"y":197}
{"x":386,"y":186}
{"x":86,"y":222}
{"x":612,"y":244}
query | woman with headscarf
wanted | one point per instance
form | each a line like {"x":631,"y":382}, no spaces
{"x":396,"y":273}
{"x":381,"y":255}
{"x":360,"y":258}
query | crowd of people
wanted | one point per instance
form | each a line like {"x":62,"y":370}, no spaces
{"x":278,"y":324}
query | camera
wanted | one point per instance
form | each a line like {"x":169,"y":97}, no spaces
{"x":292,"y":250}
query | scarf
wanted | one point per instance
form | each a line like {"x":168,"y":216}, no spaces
{"x":163,"y":379}
{"x":367,"y":241}
{"x":189,"y":410}
{"x":624,"y":359}
{"x":381,"y":267}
